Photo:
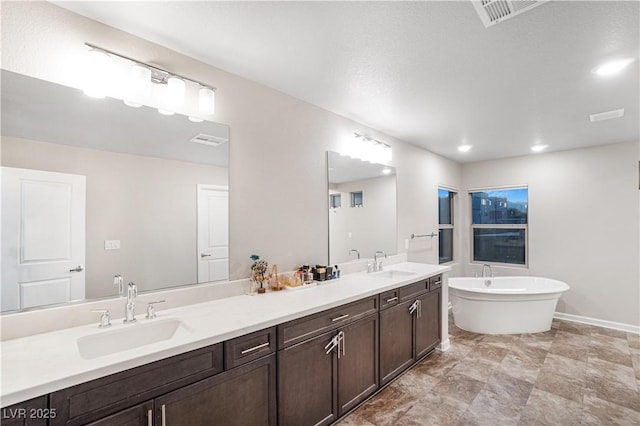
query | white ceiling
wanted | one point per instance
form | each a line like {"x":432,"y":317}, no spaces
{"x":428,"y":73}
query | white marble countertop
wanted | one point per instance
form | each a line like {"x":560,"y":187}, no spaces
{"x":43,"y":363}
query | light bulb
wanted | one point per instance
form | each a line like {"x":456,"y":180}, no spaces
{"x":175,"y":91}
{"x":139,"y":81}
{"x":97,"y":74}
{"x":207,"y":100}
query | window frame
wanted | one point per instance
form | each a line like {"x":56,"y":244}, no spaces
{"x":441,"y":226}
{"x":520,"y":226}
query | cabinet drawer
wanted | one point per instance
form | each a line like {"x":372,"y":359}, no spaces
{"x":435,"y":282}
{"x":389,"y":298}
{"x":101,"y":397}
{"x":412,"y":290}
{"x":243,"y":349}
{"x":304,"y":328}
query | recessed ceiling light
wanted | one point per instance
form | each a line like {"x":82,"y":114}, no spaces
{"x":464,"y":148}
{"x":612,"y":67}
{"x":539,"y":147}
{"x":386,"y":171}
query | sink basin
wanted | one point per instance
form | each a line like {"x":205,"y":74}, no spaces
{"x":127,"y":337}
{"x":393,"y":274}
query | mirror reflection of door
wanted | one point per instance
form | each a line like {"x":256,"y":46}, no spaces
{"x":213,"y":234}
{"x":43,"y":238}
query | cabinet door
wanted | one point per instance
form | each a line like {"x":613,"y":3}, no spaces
{"x":307,"y":386}
{"x":245,"y":395}
{"x":428,"y":324}
{"x":33,"y":412}
{"x":140,"y":415}
{"x":396,"y":341}
{"x":358,"y":363}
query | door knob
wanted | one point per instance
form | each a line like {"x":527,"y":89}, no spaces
{"x":204,"y":255}
{"x":77,"y":269}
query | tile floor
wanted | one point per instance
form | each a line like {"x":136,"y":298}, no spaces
{"x":574,"y":374}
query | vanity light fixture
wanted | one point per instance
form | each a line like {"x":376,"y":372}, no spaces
{"x":612,"y":67}
{"x":368,"y":149}
{"x":138,"y":88}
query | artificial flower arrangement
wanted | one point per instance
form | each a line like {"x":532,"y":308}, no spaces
{"x":259,"y":272}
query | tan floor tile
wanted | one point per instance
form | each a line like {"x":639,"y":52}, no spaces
{"x":602,"y":373}
{"x":415,"y":382}
{"x":566,"y":387}
{"x":387,"y":406}
{"x":575,"y":339}
{"x":600,"y":412}
{"x":608,"y":332}
{"x":458,"y":386}
{"x":489,"y":352}
{"x":544,"y":408}
{"x":575,"y":327}
{"x":568,"y":350}
{"x":434,"y":409}
{"x":633,"y":340}
{"x":524,"y":369}
{"x":563,"y":366}
{"x":476,"y":368}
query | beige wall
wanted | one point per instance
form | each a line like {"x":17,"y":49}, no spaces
{"x":278,"y":144}
{"x":583,"y":224}
{"x":149,"y":204}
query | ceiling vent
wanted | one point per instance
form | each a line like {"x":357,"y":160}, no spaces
{"x":495,"y":11}
{"x":208,"y":140}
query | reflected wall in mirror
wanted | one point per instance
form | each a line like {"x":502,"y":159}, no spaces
{"x":92,"y":188}
{"x":362,"y":208}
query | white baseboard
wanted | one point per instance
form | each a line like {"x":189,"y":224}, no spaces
{"x":444,"y":346}
{"x":629,"y":328}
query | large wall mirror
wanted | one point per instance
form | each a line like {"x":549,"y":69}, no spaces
{"x":362,"y":208}
{"x":92,"y":189}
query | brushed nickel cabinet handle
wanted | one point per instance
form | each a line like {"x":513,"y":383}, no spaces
{"x":149,"y":417}
{"x":393,"y":299}
{"x":255,"y":348}
{"x":341,"y":317}
{"x":164,"y":417}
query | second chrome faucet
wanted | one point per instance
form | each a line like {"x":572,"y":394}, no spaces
{"x":130,"y":307}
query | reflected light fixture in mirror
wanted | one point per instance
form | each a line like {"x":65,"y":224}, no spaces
{"x":367,"y":149}
{"x":97,"y":73}
{"x":120,"y":77}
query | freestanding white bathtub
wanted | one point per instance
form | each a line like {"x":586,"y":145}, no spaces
{"x":505,"y":305}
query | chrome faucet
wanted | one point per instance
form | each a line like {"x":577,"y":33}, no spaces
{"x":487,"y":281}
{"x":377,"y":265}
{"x":130,"y":307}
{"x":357,"y":252}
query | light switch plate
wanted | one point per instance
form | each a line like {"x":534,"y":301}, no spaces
{"x":112,"y":244}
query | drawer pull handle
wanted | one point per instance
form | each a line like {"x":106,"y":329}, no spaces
{"x":438,"y":283}
{"x":164,"y":418}
{"x":341,"y":317}
{"x":255,"y":348}
{"x":149,"y":418}
{"x":393,"y":299}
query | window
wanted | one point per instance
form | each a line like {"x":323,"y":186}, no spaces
{"x":356,"y":199}
{"x":335,"y":201}
{"x":499,"y":223}
{"x":445,"y":221}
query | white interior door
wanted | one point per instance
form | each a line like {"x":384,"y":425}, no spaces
{"x":213,"y":233}
{"x":43,"y":238}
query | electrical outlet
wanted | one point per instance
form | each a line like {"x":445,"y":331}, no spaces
{"x":112,"y":244}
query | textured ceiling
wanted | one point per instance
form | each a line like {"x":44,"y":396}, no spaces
{"x":428,"y":73}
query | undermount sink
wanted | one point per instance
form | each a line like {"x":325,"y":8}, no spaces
{"x":127,"y":337}
{"x":393,"y":274}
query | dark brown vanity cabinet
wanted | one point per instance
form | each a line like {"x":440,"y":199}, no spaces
{"x":245,"y":395}
{"x":410,"y":329}
{"x":193,"y":388}
{"x":34,"y":412}
{"x":323,"y":377}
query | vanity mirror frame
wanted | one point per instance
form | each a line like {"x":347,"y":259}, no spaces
{"x":124,"y":153}
{"x":346,"y":175}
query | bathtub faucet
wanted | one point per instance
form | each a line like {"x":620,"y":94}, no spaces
{"x":487,"y":281}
